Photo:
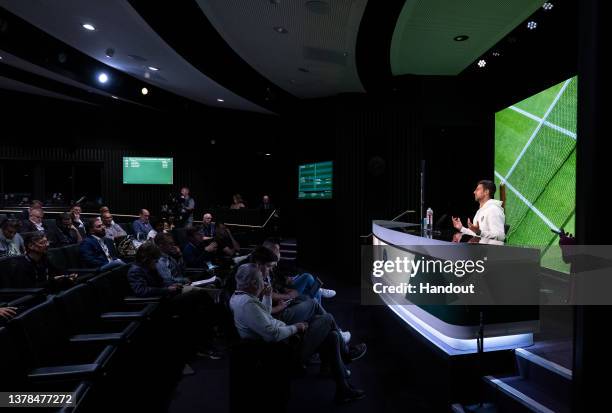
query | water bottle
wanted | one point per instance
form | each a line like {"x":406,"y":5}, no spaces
{"x":429,"y":219}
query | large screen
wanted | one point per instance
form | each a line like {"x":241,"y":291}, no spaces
{"x":150,"y":171}
{"x":315,"y":180}
{"x":535,"y":156}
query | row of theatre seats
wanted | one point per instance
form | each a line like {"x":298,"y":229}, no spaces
{"x":92,"y":339}
{"x":115,"y":350}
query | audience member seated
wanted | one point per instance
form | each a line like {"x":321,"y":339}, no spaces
{"x":194,"y":306}
{"x":104,"y":209}
{"x":97,"y":251}
{"x":142,"y":226}
{"x":64,"y":233}
{"x":159,"y":227}
{"x":35,"y":222}
{"x":237,"y":203}
{"x":75,"y":213}
{"x":34,"y":269}
{"x":197,"y":253}
{"x":208,"y":227}
{"x":11,"y":243}
{"x":112,"y":229}
{"x":266,"y":205}
{"x":227,"y":246}
{"x":25,"y":214}
{"x":170,"y":265}
{"x":253,"y":320}
{"x":293,"y":284}
{"x":291,"y":307}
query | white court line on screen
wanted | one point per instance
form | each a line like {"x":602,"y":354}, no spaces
{"x":546,"y":123}
{"x":537,"y":129}
{"x":526,"y":201}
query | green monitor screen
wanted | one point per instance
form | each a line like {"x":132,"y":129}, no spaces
{"x":535,"y":156}
{"x":148,"y":171}
{"x":315,"y":180}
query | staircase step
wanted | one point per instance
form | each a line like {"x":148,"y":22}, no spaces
{"x":517,"y":394}
{"x":549,"y":376}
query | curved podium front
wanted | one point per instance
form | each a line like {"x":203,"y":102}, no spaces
{"x":453,"y":328}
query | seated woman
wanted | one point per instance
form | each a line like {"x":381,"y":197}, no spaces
{"x":253,"y":320}
{"x":237,"y":203}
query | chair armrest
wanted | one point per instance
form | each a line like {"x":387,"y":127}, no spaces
{"x":64,"y":372}
{"x":136,"y":300}
{"x":143,"y":311}
{"x":115,"y":337}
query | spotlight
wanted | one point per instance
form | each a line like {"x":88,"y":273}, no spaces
{"x":268,"y":154}
{"x":102,"y":78}
{"x":461,"y":38}
{"x":89,"y":26}
{"x":532,"y":25}
{"x":220,"y":100}
{"x":482,"y":63}
{"x":144,"y":91}
{"x":281,"y":30}
{"x":496,"y":54}
{"x":547,"y":6}
{"x":153,"y":68}
{"x":114,"y":97}
{"x":212,"y":141}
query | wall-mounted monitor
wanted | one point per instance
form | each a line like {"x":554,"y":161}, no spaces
{"x":148,"y":171}
{"x":315,"y":180}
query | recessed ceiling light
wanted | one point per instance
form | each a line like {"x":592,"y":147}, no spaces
{"x":461,"y":38}
{"x":220,"y":100}
{"x":268,"y":154}
{"x":89,"y":26}
{"x":281,"y":30}
{"x":144,"y":91}
{"x":532,"y":25}
{"x":0,"y":57}
{"x":482,"y":63}
{"x":102,"y":78}
{"x":496,"y":54}
{"x":114,"y":97}
{"x":547,"y":6}
{"x":212,"y":141}
{"x":153,"y":68}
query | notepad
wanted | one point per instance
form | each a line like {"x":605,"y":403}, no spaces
{"x":206,"y":281}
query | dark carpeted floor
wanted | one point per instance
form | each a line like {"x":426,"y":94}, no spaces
{"x":391,"y":383}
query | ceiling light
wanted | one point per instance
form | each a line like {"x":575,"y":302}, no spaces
{"x":102,"y":78}
{"x":268,"y":154}
{"x":547,"y":6}
{"x":220,"y":100}
{"x":144,"y":91}
{"x":110,"y":52}
{"x":114,"y":97}
{"x":281,"y":30}
{"x":461,"y":38}
{"x":482,"y":63}
{"x":0,"y":57}
{"x":532,"y":25}
{"x":153,"y":68}
{"x":496,"y":54}
{"x":89,"y":26}
{"x":147,"y":75}
{"x":212,"y":141}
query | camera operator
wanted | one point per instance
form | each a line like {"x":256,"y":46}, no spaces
{"x":187,"y":207}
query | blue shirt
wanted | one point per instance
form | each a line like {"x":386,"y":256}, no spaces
{"x":141,"y":228}
{"x":170,"y":271}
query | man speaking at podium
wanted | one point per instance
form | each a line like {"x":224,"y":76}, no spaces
{"x":489,"y":220}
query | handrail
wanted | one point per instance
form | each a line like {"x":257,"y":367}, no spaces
{"x":136,"y":216}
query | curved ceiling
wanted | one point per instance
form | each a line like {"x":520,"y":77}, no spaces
{"x":423,"y":40}
{"x":135,"y":46}
{"x":305,"y":47}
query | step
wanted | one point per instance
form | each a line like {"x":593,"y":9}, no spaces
{"x":517,"y":394}
{"x":549,"y":376}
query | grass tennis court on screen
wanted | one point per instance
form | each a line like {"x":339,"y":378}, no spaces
{"x":535,"y":154}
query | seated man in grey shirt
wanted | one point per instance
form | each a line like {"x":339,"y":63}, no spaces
{"x":113,"y":230}
{"x":253,"y":321}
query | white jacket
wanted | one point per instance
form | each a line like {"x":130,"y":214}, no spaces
{"x":491,"y":220}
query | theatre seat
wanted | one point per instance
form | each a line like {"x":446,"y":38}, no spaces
{"x":85,"y":324}
{"x":46,"y":351}
{"x":111,"y":305}
{"x":67,"y":259}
